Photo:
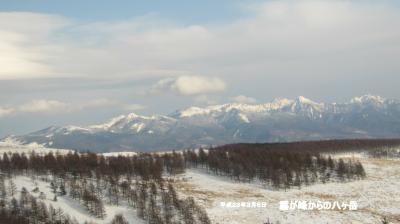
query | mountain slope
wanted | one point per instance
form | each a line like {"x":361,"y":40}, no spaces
{"x":280,"y":120}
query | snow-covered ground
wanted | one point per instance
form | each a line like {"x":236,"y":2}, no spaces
{"x":73,"y":207}
{"x":377,"y":196}
{"x":9,"y":145}
{"x":111,"y":154}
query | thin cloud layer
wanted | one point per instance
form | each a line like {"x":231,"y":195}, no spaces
{"x":292,"y":39}
{"x":59,"y":107}
{"x":26,"y":44}
{"x":5,"y":111}
{"x":43,"y":105}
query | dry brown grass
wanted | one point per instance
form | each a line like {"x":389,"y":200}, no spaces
{"x":244,"y":193}
{"x":190,"y":190}
{"x":209,"y":196}
{"x":321,"y":196}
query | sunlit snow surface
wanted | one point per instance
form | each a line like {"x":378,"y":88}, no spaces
{"x":11,"y":146}
{"x":378,"y":195}
{"x":73,"y":207}
{"x":67,"y":204}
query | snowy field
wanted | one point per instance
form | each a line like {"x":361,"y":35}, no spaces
{"x":71,"y":206}
{"x":377,"y":196}
{"x":12,"y":146}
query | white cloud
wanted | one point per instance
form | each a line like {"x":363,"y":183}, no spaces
{"x":189,"y":85}
{"x":162,"y":86}
{"x":194,"y":85}
{"x":25,"y":47}
{"x":5,"y":111}
{"x":244,"y":99}
{"x":43,"y":105}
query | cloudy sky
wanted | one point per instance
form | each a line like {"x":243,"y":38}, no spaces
{"x":82,"y":62}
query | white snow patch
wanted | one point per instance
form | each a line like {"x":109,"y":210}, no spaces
{"x":244,"y":118}
{"x":111,"y":154}
{"x":378,"y":195}
{"x":11,"y":146}
{"x":138,"y":127}
{"x":73,"y":207}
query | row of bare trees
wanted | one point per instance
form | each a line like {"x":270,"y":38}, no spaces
{"x":95,"y":180}
{"x":330,"y":146}
{"x":26,"y":208}
{"x":275,"y":168}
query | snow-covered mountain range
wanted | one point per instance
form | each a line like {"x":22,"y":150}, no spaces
{"x":280,"y":120}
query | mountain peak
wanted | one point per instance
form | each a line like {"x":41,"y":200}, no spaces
{"x":368,"y":98}
{"x":191,"y":111}
{"x":133,"y":116}
{"x":304,"y":100}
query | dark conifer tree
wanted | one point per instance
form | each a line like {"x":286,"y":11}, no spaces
{"x":119,"y":219}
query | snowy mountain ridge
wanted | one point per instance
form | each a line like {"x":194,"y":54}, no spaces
{"x":276,"y":104}
{"x":282,"y":119}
